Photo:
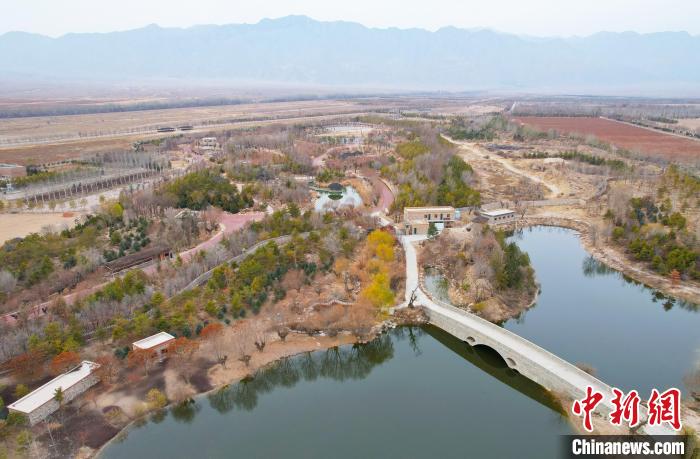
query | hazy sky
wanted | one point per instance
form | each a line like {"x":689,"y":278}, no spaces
{"x":532,"y":17}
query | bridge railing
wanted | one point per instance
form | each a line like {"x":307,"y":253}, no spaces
{"x":497,"y":331}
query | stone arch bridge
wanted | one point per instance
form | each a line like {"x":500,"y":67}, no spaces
{"x":532,"y":361}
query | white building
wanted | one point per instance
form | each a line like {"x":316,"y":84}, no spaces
{"x":208,"y":143}
{"x":417,"y":220}
{"x":498,"y":216}
{"x":157,"y":343}
{"x":40,"y":403}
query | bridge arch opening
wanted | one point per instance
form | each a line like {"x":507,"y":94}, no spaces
{"x":471,"y":340}
{"x":510,"y":362}
{"x":490,"y":356}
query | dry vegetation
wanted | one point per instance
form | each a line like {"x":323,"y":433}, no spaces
{"x":635,"y":139}
{"x":482,"y":272}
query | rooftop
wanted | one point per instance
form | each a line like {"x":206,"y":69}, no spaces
{"x":430,"y":209}
{"x":45,"y":393}
{"x":496,"y":212}
{"x":154,"y":340}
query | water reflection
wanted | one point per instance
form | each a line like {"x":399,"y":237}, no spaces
{"x":421,"y":391}
{"x":338,"y":363}
{"x":357,"y":362}
{"x":592,"y":268}
{"x":489,"y":361}
{"x":348,"y":198}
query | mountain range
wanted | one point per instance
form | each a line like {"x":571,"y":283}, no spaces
{"x":300,"y":50}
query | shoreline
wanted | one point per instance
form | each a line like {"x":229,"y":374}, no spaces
{"x":308,"y":344}
{"x":312,"y":345}
{"x":615,"y":260}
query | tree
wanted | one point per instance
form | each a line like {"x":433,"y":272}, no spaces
{"x":141,"y":358}
{"x":214,"y":335}
{"x":181,"y":351}
{"x":155,"y":399}
{"x":24,"y":440}
{"x":20,"y":391}
{"x":379,"y":292}
{"x":260,"y":340}
{"x":432,"y":230}
{"x":59,"y":396}
{"x":108,"y":369}
{"x":242,"y":342}
{"x":64,"y":362}
{"x":282,"y":332}
{"x":7,"y":282}
{"x":28,"y":365}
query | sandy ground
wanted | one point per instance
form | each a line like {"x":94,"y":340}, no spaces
{"x":295,"y":344}
{"x":101,"y":124}
{"x":20,"y":225}
{"x":690,"y":123}
{"x":130,"y":398}
{"x":473,"y":152}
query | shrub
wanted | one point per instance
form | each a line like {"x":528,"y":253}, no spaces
{"x":155,"y":399}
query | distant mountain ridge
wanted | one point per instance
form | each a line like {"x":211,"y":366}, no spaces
{"x":297,"y":49}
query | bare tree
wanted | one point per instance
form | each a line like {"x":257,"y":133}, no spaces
{"x":7,"y":282}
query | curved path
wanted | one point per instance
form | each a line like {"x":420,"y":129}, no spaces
{"x":529,"y":359}
{"x":473,"y":149}
{"x":386,"y":195}
{"x":228,"y":223}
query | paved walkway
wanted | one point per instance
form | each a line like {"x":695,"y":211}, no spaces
{"x":539,"y":361}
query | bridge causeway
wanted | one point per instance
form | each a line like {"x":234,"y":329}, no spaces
{"x":527,"y":358}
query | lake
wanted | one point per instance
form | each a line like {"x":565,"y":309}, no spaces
{"x":418,"y":392}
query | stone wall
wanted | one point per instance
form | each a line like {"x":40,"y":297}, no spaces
{"x":69,"y":394}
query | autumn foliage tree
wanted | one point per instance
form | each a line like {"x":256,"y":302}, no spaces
{"x":28,"y":365}
{"x":141,"y":358}
{"x":108,"y":370}
{"x":64,"y":362}
{"x":380,"y":245}
{"x":181,"y":350}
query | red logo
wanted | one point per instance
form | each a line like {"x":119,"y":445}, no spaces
{"x":586,"y":406}
{"x":662,"y":407}
{"x":665,"y":407}
{"x":626,"y":408}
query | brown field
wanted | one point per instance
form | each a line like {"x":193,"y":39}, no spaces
{"x":20,"y":225}
{"x":46,"y":138}
{"x":622,"y":135}
{"x":38,"y":139}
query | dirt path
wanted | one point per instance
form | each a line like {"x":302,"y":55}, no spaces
{"x":471,"y":151}
{"x":386,"y":197}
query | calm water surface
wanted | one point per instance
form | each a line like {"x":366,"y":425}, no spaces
{"x":633,"y":336}
{"x":350,"y":198}
{"x":421,"y":393}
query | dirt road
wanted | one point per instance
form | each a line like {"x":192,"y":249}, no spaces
{"x":471,"y":151}
{"x":386,"y":197}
